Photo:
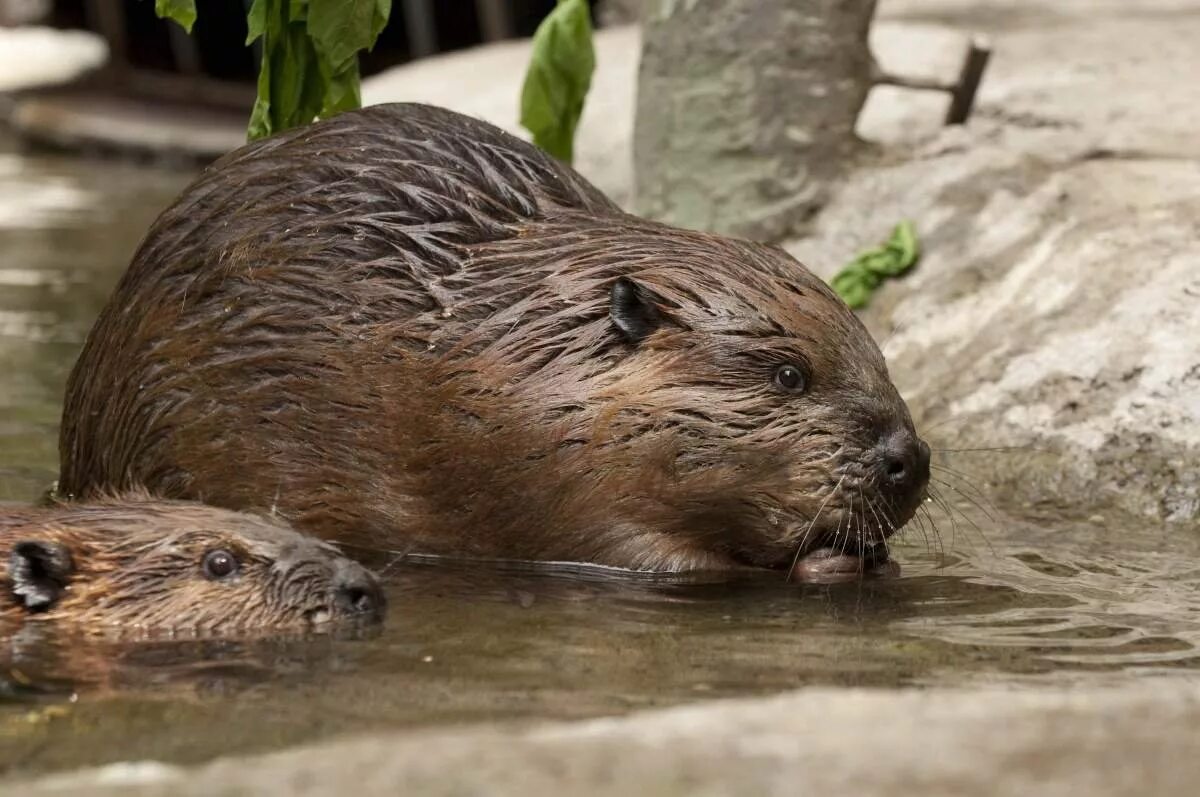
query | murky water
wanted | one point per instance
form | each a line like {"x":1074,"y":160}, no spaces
{"x":1015,"y":601}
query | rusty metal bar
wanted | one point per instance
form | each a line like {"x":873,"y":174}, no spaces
{"x":962,"y":91}
{"x":963,"y":95}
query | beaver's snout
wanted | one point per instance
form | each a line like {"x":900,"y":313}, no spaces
{"x":356,"y":591}
{"x":903,"y":468}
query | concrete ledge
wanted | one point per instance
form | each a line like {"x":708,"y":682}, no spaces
{"x":1133,"y":741}
{"x":79,"y":120}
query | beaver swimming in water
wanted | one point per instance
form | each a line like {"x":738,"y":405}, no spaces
{"x":403,"y":325}
{"x":137,"y":564}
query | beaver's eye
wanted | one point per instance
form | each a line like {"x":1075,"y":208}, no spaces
{"x":790,"y":378}
{"x":219,"y":564}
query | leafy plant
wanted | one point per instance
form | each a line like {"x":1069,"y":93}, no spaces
{"x":182,"y":11}
{"x":310,"y":50}
{"x":559,"y":76}
{"x":858,"y":280}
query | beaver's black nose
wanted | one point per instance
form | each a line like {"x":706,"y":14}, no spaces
{"x":356,"y":591}
{"x":903,"y":462}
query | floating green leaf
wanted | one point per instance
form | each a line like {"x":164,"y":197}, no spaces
{"x":559,"y":76}
{"x":182,"y":11}
{"x":857,"y":281}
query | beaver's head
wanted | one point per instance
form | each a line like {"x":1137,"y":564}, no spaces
{"x":181,"y":568}
{"x":786,"y":433}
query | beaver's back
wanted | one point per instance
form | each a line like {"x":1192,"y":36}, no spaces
{"x":279,"y":254}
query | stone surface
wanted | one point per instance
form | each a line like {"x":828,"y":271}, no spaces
{"x":1134,"y":741}
{"x":746,"y":110}
{"x":1054,"y":310}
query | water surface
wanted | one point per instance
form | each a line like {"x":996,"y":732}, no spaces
{"x":1014,"y":601}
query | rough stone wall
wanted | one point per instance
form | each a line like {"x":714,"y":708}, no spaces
{"x":746,"y":109}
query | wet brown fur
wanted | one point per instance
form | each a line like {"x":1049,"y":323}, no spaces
{"x":137,"y":568}
{"x":395,"y":326}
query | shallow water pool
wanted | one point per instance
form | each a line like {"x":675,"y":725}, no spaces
{"x":992,"y":600}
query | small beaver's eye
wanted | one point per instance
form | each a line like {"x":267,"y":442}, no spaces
{"x":790,"y":378}
{"x":219,"y":564}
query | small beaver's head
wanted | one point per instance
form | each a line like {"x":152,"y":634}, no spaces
{"x":143,"y":565}
{"x":783,"y":432}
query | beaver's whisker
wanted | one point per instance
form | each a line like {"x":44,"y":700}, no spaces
{"x":967,"y":479}
{"x":811,"y":524}
{"x":936,"y":532}
{"x":862,"y":559}
{"x":840,"y":538}
{"x":399,"y":557}
{"x":986,"y":448}
{"x":940,"y":503}
{"x":951,"y":510}
{"x":895,"y":330}
{"x":950,"y":507}
{"x":927,"y":428}
{"x":886,"y":526}
{"x":924,"y":530}
{"x":969,"y":498}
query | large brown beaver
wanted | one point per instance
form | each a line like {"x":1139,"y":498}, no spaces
{"x":403,"y":324}
{"x":136,"y":564}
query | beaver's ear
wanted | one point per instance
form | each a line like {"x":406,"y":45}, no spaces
{"x":39,"y":572}
{"x":633,"y":310}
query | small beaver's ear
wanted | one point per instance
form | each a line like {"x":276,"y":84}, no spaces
{"x":39,"y":572}
{"x":633,"y":310}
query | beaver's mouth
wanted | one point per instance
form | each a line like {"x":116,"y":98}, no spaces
{"x":847,"y":545}
{"x":828,"y":564}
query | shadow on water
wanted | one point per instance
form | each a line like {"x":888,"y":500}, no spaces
{"x":1042,"y":601}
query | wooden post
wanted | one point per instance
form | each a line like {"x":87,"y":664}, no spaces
{"x":495,"y":19}
{"x":421,"y":27}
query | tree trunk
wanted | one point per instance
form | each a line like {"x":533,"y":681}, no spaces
{"x":746,"y":109}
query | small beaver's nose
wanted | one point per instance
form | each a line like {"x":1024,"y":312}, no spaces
{"x":904,"y":461}
{"x":356,"y":590}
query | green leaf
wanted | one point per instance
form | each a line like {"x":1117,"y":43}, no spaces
{"x":182,"y":11}
{"x":256,"y":23}
{"x":340,"y":28}
{"x":260,"y":117}
{"x":309,"y":66}
{"x":857,"y":281}
{"x":290,"y":85}
{"x":559,"y":76}
{"x":341,"y":90}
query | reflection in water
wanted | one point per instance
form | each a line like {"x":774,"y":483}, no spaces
{"x":1040,"y":601}
{"x":67,"y":230}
